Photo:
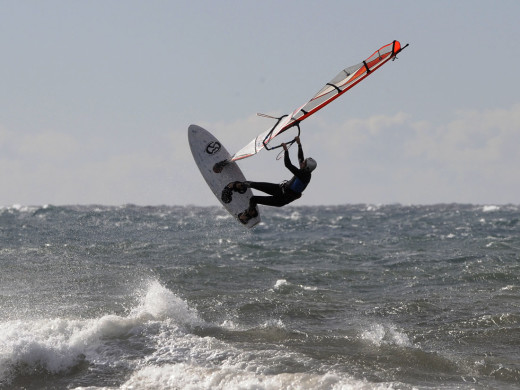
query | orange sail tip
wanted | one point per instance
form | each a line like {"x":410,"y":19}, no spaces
{"x":397,"y":46}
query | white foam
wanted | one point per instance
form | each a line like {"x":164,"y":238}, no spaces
{"x":159,"y":303}
{"x":380,"y":334}
{"x":188,"y":361}
{"x":280,"y":283}
{"x":230,"y":325}
{"x":295,"y":216}
{"x":273,"y":323}
{"x":222,"y":217}
{"x":19,"y":208}
{"x":490,"y":208}
{"x":56,"y":345}
{"x":189,"y":376}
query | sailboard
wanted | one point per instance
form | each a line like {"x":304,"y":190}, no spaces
{"x":344,"y":81}
{"x":206,"y":151}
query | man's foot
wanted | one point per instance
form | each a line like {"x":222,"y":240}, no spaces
{"x":245,"y":216}
{"x":238,"y":186}
{"x":227,"y":192}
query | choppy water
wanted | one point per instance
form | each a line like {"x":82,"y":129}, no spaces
{"x":348,"y":297}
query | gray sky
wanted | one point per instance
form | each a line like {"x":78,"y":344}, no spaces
{"x":96,"y":98}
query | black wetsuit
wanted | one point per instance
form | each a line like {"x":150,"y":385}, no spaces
{"x":285,"y":193}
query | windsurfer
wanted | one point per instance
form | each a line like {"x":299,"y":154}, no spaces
{"x":280,"y":194}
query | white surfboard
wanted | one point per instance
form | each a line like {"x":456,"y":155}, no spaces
{"x":207,"y":151}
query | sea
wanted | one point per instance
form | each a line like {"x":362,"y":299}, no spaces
{"x":323,"y":297}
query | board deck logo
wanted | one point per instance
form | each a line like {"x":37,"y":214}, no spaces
{"x":213,"y":147}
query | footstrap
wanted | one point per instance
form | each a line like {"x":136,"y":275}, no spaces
{"x":227,"y":195}
{"x":239,"y":187}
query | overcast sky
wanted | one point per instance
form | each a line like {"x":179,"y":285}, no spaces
{"x":96,"y":98}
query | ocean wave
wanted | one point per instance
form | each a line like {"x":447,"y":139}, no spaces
{"x":191,"y":376}
{"x":58,"y":345}
{"x":231,"y":359}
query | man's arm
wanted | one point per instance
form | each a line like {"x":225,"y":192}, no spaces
{"x":287,"y":161}
{"x":300,"y":149}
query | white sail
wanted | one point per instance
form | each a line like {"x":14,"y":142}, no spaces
{"x":340,"y":84}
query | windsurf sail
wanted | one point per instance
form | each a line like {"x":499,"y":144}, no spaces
{"x":340,"y":84}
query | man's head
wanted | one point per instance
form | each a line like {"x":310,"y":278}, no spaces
{"x":309,"y":164}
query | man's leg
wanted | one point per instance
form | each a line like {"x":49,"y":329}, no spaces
{"x":275,"y":201}
{"x":276,"y":198}
{"x":268,"y":188}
